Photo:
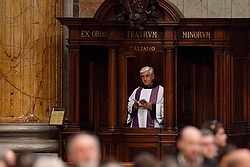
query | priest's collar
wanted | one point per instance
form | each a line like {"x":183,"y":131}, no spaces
{"x":155,"y":84}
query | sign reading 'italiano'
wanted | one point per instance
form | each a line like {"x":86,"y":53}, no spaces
{"x":142,"y":48}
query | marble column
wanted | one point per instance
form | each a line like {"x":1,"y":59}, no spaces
{"x":30,"y":71}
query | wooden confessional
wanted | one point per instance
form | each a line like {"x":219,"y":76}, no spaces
{"x":203,"y":64}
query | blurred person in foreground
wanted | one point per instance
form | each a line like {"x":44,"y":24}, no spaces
{"x":8,"y":155}
{"x":236,"y":158}
{"x":145,"y":159}
{"x":189,"y":150}
{"x":84,"y":150}
{"x":220,"y":137}
{"x":25,"y":159}
{"x":225,"y":151}
{"x":110,"y":163}
{"x":208,"y":148}
{"x":48,"y":161}
{"x":3,"y":162}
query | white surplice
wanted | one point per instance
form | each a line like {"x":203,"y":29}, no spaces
{"x":142,"y":113}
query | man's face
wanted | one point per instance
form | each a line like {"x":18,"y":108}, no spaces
{"x":220,"y":138}
{"x":85,"y":152}
{"x":147,"y":78}
{"x":208,"y":148}
{"x":189,"y":145}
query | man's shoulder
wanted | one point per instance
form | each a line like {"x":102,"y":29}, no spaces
{"x":161,"y":87}
{"x":139,"y":87}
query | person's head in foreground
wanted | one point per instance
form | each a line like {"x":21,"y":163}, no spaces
{"x":83,"y":150}
{"x":145,"y":159}
{"x":220,"y":137}
{"x":188,"y":145}
{"x":3,"y":162}
{"x":8,"y":155}
{"x":48,"y":161}
{"x":208,"y":148}
{"x":25,"y":159}
{"x":236,"y":158}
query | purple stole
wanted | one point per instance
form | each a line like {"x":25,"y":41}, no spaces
{"x":153,"y":99}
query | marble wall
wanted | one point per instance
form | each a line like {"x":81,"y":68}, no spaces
{"x":30,"y":58}
{"x":214,"y":8}
{"x":190,"y":8}
{"x":87,"y":8}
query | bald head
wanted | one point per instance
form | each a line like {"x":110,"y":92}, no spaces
{"x":189,"y":132}
{"x":84,"y":150}
{"x":189,"y":143}
{"x":236,"y":158}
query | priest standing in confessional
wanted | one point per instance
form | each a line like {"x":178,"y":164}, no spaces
{"x":146,"y":104}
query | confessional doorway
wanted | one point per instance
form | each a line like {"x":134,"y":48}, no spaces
{"x":93,"y":84}
{"x":195,"y":85}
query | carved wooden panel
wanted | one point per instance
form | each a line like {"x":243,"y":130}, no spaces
{"x":132,"y":149}
{"x":111,"y":150}
{"x":240,"y":139}
{"x":239,"y":89}
{"x":240,"y":84}
{"x":127,"y":143}
{"x":240,"y":80}
{"x":168,"y":148}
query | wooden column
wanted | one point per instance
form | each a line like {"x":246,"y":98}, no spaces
{"x":73,"y":109}
{"x":122,"y":87}
{"x":248,"y":92}
{"x":222,"y":84}
{"x":169,"y":88}
{"x":112,"y":89}
{"x":74,"y":96}
{"x":73,"y":63}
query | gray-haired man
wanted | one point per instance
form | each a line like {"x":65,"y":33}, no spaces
{"x":146,"y":103}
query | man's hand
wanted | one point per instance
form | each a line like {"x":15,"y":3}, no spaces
{"x":145,"y":104}
{"x":136,"y":105}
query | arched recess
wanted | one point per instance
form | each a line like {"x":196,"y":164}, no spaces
{"x":109,"y":9}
